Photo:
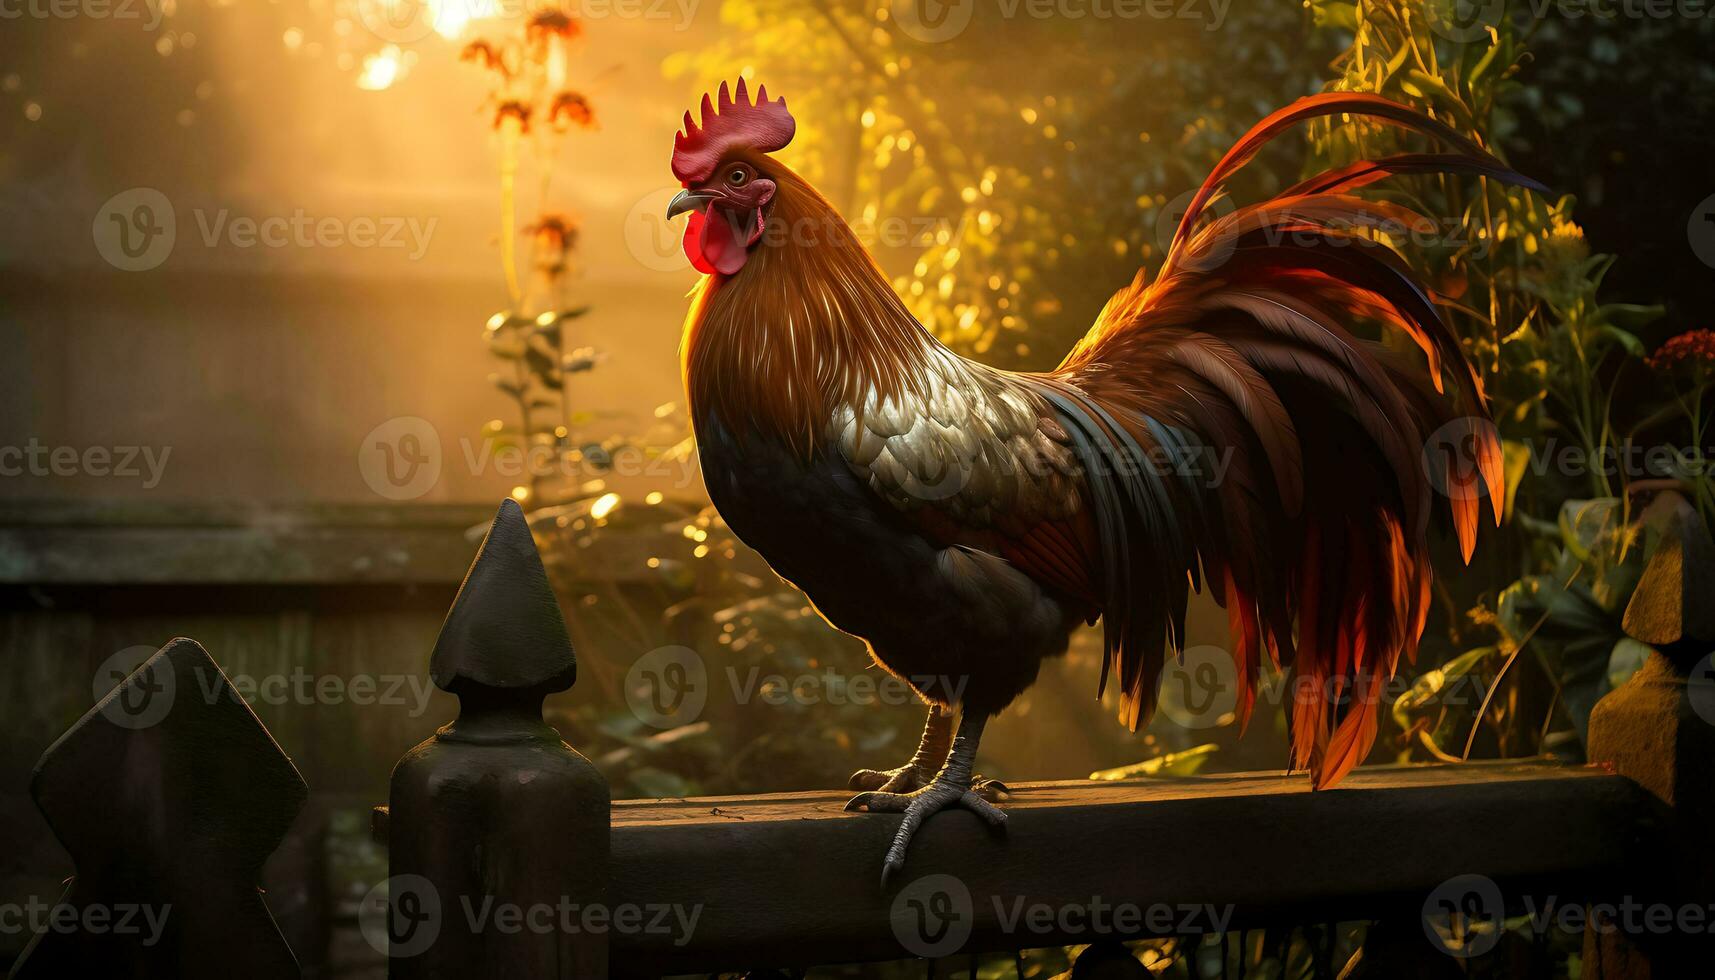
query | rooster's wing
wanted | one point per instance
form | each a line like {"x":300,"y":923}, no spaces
{"x":974,"y":457}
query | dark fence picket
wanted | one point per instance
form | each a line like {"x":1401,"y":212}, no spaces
{"x":169,"y":794}
{"x":1108,"y":960}
{"x":498,"y":830}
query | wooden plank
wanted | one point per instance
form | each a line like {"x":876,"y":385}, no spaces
{"x":792,"y":879}
{"x":66,"y":543}
{"x":120,"y":512}
{"x":131,"y":543}
{"x":77,"y":543}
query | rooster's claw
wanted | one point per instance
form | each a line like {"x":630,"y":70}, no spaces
{"x":890,"y":867}
{"x":902,"y":780}
{"x":917,"y":807}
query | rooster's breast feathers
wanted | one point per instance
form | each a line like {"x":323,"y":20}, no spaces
{"x":976,"y":457}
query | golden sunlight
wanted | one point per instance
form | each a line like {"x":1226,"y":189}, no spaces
{"x":381,"y":69}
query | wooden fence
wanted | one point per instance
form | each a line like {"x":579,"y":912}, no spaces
{"x":508,"y":860}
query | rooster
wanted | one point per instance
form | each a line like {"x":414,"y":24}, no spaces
{"x":963,"y":520}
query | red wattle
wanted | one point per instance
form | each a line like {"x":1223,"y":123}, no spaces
{"x":693,"y":244}
{"x":720,"y":242}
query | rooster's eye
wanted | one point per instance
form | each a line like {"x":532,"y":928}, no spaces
{"x":738,"y":176}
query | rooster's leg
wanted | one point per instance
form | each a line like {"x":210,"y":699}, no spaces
{"x":925,"y":763}
{"x":950,"y":787}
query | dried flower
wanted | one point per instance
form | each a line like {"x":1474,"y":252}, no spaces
{"x":545,"y":25}
{"x":556,"y":234}
{"x":571,"y":108}
{"x":486,"y":55}
{"x":512,"y":109}
{"x":1691,"y":354}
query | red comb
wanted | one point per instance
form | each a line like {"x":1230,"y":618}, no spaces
{"x":764,"y":126}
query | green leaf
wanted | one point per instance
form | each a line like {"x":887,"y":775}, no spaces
{"x":1597,"y":537}
{"x":540,"y":363}
{"x":1586,"y":525}
{"x":1542,"y":608}
{"x":1343,"y":16}
{"x":1428,"y":686}
{"x":1629,"y":341}
{"x":1182,"y":763}
{"x":1445,"y":95}
{"x":1568,"y":632}
{"x":1515,"y":460}
{"x":1626,"y":659}
{"x":504,"y":345}
{"x":1630,"y":316}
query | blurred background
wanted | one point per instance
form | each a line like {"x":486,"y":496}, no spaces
{"x":296,"y":291}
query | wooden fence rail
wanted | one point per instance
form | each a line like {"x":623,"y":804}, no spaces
{"x":792,"y":880}
{"x":508,"y":860}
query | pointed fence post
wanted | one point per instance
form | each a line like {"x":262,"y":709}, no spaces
{"x":169,"y":795}
{"x":497,"y":829}
{"x":1658,"y":729}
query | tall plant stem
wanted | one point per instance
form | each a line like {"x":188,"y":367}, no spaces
{"x":510,"y":132}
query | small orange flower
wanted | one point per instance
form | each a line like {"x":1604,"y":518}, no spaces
{"x":545,"y":25}
{"x":513,"y":109}
{"x":571,"y":109}
{"x":556,"y":234}
{"x":486,"y":55}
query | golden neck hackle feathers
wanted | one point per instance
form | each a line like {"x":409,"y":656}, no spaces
{"x":809,"y":323}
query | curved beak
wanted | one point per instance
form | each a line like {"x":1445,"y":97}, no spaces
{"x":687,"y":201}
